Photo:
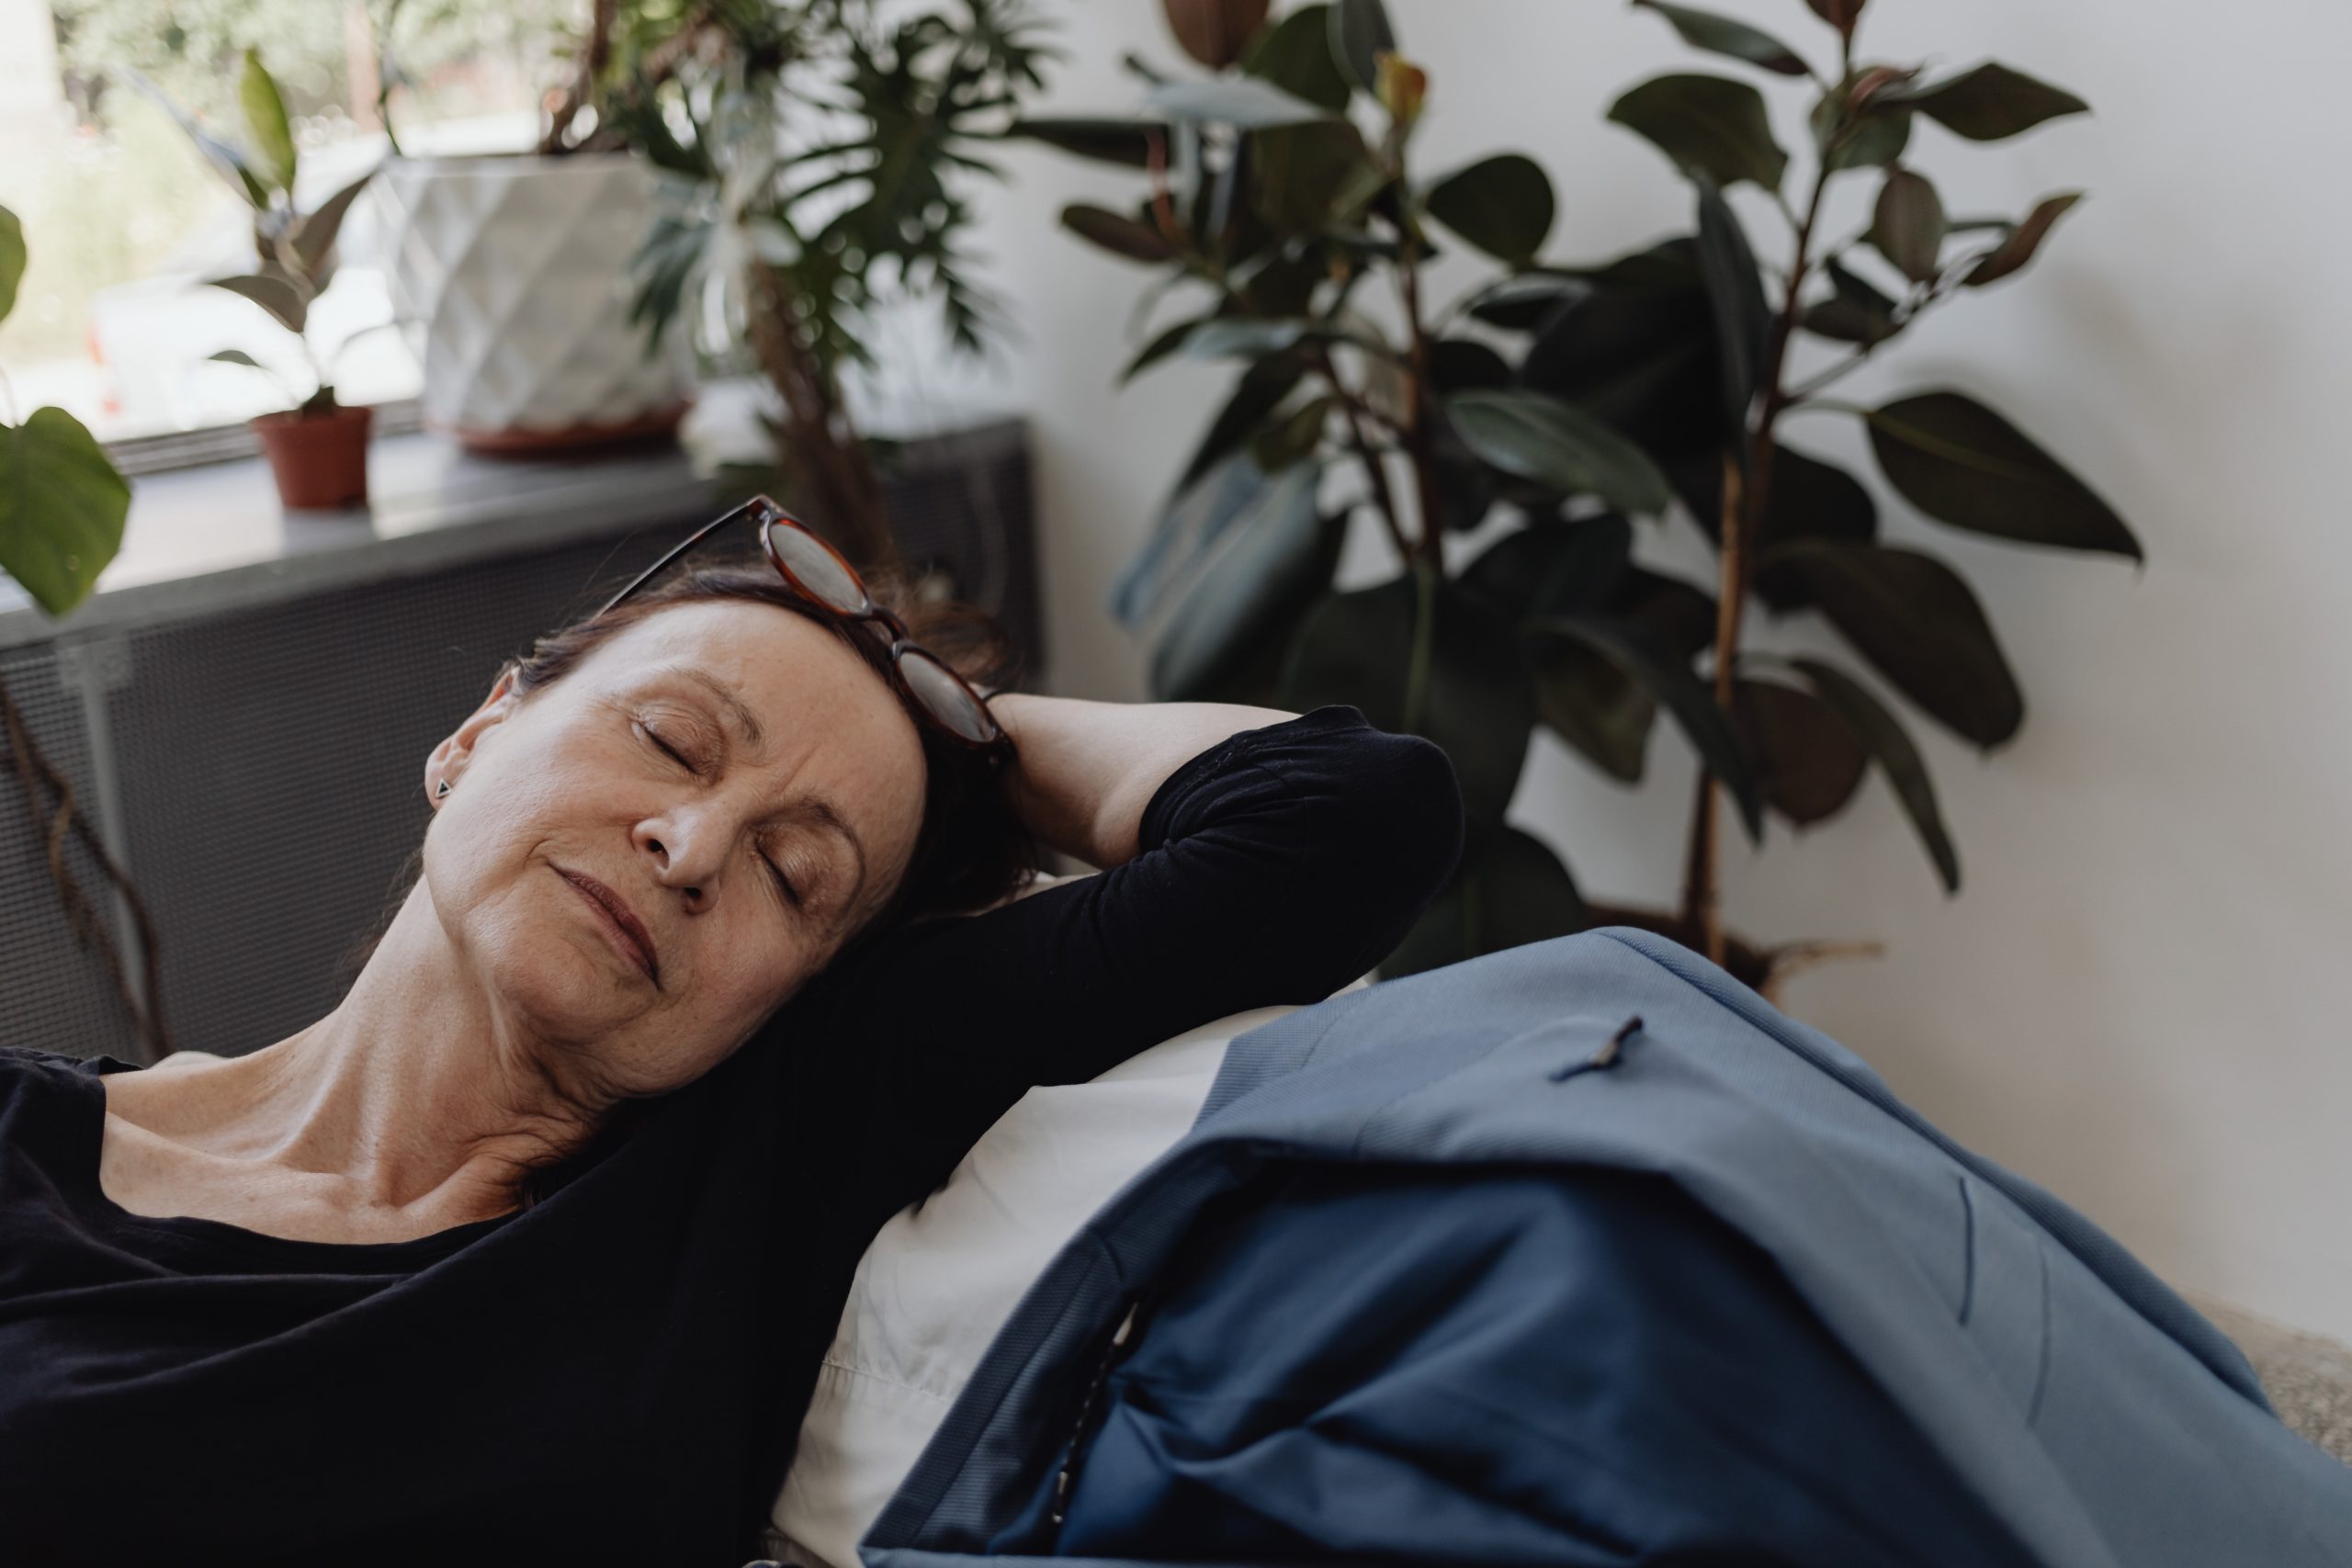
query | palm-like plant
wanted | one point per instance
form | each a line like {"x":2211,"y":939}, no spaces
{"x":827,"y":144}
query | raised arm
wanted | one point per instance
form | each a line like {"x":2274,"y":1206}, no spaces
{"x":1088,"y":769}
{"x":1263,"y":864}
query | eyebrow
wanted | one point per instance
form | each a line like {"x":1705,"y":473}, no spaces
{"x":731,"y":705}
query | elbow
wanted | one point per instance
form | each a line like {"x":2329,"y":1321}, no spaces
{"x":1404,"y":842}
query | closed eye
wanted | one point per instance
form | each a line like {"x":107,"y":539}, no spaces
{"x":784,"y":886}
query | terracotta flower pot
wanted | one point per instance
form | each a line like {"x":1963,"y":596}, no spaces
{"x":319,"y":460}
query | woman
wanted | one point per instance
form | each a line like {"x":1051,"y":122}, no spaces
{"x":532,"y":1246}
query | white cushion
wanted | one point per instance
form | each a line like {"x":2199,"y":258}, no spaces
{"x":942,"y":1277}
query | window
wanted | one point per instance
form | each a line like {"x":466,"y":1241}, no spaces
{"x":124,"y":221}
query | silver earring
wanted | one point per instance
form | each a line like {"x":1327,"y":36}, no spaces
{"x":441,"y":790}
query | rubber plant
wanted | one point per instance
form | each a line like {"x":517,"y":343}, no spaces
{"x":1283,"y":208}
{"x":1687,"y":348}
{"x":61,"y":510}
{"x":827,"y":144}
{"x":1580,"y":397}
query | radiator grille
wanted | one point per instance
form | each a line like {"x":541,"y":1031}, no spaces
{"x":54,"y":994}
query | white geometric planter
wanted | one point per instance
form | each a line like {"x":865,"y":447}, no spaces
{"x":514,"y":273}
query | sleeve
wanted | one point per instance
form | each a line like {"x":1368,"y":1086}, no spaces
{"x":1275,"y":866}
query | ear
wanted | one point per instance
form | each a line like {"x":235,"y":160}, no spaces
{"x":449,"y":759}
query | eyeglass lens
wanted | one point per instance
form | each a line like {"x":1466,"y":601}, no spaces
{"x":819,"y":569}
{"x":946,"y":696}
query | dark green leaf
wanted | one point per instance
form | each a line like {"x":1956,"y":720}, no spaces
{"x":1231,"y":496}
{"x":1897,"y":758}
{"x":1360,"y":35}
{"x":267,"y":128}
{"x":1503,"y":205}
{"x":1592,"y":703}
{"x":1464,"y":365}
{"x":1635,"y":348}
{"x":1230,"y":628}
{"x":1119,"y":234}
{"x":1736,"y":299}
{"x":1870,"y":137}
{"x":1467,"y":490}
{"x":1855,"y":312}
{"x":1522,"y":303}
{"x":1908,"y":225}
{"x":1990,"y":102}
{"x":1245,"y":103}
{"x":1962,"y":464}
{"x":1724,"y":35}
{"x":1242,"y":337}
{"x":1541,"y":438}
{"x":1124,"y":142}
{"x":1709,"y":123}
{"x":314,"y":234}
{"x":226,"y":161}
{"x":1163,"y":343}
{"x":234,"y":356}
{"x":1261,"y":389}
{"x":1838,"y":14}
{"x":1473,"y":697}
{"x":1295,"y":436}
{"x":1552,"y":569}
{"x":1692,"y":705}
{"x":273,"y":293}
{"x":1913,"y":617}
{"x":1512,"y":892}
{"x":2018,"y":248}
{"x":1808,"y":759}
{"x":12,"y":260}
{"x":1295,"y":55}
{"x":62,"y":507}
{"x":1307,"y":175}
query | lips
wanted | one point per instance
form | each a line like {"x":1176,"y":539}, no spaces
{"x":628,"y":932}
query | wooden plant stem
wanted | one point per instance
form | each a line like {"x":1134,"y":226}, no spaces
{"x":36,"y":776}
{"x":1375,"y":471}
{"x":1700,"y":904}
{"x":821,"y":446}
{"x":1420,"y":442}
{"x":1746,"y":491}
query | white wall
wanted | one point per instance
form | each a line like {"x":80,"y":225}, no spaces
{"x":2139,"y":999}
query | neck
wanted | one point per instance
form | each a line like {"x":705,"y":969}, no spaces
{"x":413,"y":1094}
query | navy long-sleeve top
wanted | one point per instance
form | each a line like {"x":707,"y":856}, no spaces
{"x":616,"y":1373}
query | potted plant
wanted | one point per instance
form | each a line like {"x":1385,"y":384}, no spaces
{"x":317,"y":450}
{"x":797,"y":225}
{"x":61,"y":510}
{"x":513,"y":270}
{"x":1283,"y":211}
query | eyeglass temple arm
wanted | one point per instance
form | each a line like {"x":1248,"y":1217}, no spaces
{"x":757,"y":504}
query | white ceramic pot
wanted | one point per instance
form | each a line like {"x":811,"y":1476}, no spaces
{"x":511,"y":274}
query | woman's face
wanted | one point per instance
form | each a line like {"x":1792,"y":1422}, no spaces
{"x":641,"y":861}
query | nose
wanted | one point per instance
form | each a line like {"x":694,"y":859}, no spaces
{"x":687,"y":853}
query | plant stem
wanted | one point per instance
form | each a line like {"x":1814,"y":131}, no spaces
{"x":1420,"y":440}
{"x":36,"y":774}
{"x":1383,"y":497}
{"x":818,"y":440}
{"x":1746,"y":493}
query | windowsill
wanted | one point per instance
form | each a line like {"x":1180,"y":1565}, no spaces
{"x":203,"y":540}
